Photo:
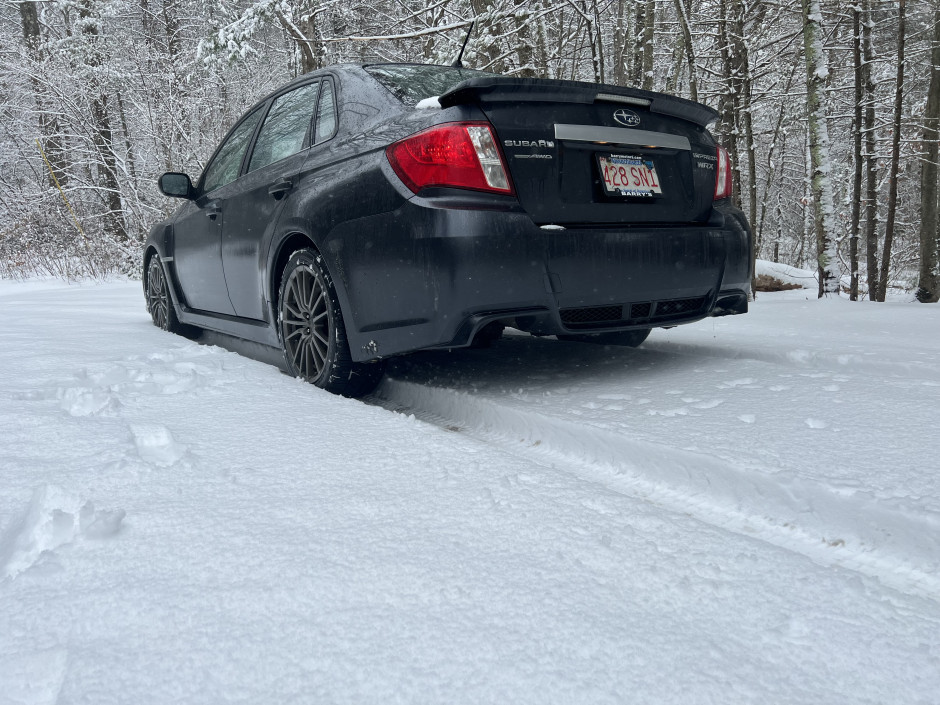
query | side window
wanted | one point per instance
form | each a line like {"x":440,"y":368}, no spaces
{"x":285,"y":128}
{"x":224,"y":168}
{"x":326,"y":114}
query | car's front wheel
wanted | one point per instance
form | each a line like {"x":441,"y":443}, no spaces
{"x":159,"y":304}
{"x":313,"y":333}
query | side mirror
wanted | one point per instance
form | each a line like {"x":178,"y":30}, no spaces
{"x":176,"y":185}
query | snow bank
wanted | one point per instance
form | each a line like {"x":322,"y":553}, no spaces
{"x":787,"y":274}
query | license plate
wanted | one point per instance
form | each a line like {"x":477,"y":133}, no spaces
{"x":627,"y":175}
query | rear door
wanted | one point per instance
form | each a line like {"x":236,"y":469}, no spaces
{"x":276,"y":162}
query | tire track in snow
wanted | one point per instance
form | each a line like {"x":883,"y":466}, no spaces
{"x":856,"y":532}
{"x":795,"y":357}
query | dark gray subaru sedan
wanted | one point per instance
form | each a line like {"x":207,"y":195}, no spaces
{"x":362,"y":212}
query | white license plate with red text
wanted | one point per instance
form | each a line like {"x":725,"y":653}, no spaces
{"x":628,"y":175}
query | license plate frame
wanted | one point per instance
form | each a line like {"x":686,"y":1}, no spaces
{"x":628,"y":176}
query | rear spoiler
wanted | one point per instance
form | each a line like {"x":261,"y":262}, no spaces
{"x":501,"y":89}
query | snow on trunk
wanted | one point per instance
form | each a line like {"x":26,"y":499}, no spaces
{"x":817,"y":71}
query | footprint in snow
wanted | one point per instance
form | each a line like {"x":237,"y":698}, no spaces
{"x":80,"y":401}
{"x":155,"y":444}
{"x":52,"y":519}
{"x":743,"y":382}
{"x":668,"y":413}
{"x":708,"y":404}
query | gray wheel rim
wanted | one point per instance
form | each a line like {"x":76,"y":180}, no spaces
{"x":156,"y":295}
{"x":305,"y":317}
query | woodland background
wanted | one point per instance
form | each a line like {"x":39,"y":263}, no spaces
{"x":829,"y":110}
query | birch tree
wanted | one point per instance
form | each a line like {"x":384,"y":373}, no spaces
{"x":817,"y":71}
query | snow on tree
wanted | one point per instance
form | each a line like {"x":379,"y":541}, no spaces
{"x":817,"y":71}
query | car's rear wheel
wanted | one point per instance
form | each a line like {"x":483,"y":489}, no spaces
{"x":623,"y":338}
{"x":313,"y":333}
{"x":159,"y":304}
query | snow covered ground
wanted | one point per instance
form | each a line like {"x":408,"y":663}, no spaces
{"x":743,"y":510}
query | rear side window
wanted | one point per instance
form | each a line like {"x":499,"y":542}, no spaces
{"x":285,"y":128}
{"x":412,"y":83}
{"x":228,"y":160}
{"x":326,"y":114}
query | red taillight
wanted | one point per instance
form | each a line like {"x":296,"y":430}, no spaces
{"x":456,"y":154}
{"x":723,"y":175}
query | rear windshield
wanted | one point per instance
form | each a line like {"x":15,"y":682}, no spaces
{"x":413,"y":82}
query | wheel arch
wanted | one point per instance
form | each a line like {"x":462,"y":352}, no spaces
{"x":289,"y":245}
{"x":298,"y":240}
{"x":149,"y":252}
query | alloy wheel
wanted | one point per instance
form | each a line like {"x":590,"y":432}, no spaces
{"x":157,"y":300}
{"x":307,"y":323}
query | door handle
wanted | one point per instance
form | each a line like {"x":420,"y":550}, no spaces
{"x":280,"y":187}
{"x":213,"y":209}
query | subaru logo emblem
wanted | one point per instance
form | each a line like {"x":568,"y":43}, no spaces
{"x":626,"y":117}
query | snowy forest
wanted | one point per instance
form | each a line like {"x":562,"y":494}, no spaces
{"x":829,"y":110}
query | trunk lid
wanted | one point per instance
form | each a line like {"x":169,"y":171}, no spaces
{"x":560,"y":138}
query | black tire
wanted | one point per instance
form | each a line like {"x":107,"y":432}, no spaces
{"x":160,"y":305}
{"x":622,"y":338}
{"x":313,"y":333}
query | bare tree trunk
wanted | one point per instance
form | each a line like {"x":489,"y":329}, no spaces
{"x":108,"y":186}
{"x":306,"y":34}
{"x":427,"y":47}
{"x":487,"y":27}
{"x":728,"y":102}
{"x":172,"y":26}
{"x":131,"y":167}
{"x":777,"y":144}
{"x":857,"y":151}
{"x":541,"y":44}
{"x":682,"y":12}
{"x":48,"y":124}
{"x":639,"y":28}
{"x":740,"y":63}
{"x":594,"y":41}
{"x":817,"y":70}
{"x":672,"y":78}
{"x":649,"y":26}
{"x":871,"y":164}
{"x":928,"y":285}
{"x":524,"y":48}
{"x":620,"y":46}
{"x":600,"y":40}
{"x":895,"y":160}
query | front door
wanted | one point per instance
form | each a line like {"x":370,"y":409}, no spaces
{"x":197,"y":231}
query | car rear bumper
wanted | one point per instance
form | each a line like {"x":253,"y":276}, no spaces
{"x":426,"y":276}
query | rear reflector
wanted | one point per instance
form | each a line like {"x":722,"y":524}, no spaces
{"x":455,"y":154}
{"x":723,"y":175}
